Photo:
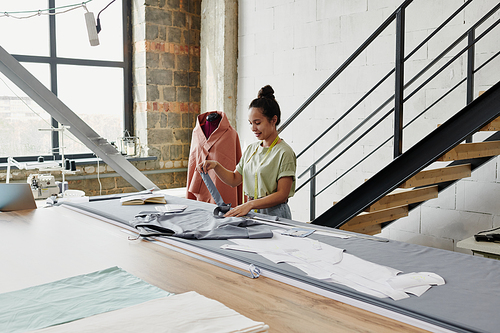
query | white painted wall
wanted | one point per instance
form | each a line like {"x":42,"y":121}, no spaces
{"x":218,"y":61}
{"x":296,"y":45}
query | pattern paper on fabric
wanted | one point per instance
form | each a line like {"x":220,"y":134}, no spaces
{"x":331,"y":264}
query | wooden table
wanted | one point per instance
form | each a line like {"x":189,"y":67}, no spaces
{"x":49,"y":244}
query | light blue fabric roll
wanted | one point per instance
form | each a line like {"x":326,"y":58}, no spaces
{"x":73,"y":298}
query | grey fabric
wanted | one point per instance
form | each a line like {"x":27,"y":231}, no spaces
{"x":198,"y":224}
{"x":466,"y":303}
{"x":222,"y":207}
{"x":214,"y":192}
{"x":281,"y":210}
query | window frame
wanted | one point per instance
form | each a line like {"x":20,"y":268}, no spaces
{"x":53,"y":60}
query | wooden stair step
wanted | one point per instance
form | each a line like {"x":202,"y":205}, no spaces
{"x":492,"y":126}
{"x":371,"y":230}
{"x":435,"y":176}
{"x":472,"y":150}
{"x":365,"y":219}
{"x":401,"y":197}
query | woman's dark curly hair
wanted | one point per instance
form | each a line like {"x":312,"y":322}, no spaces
{"x":267,"y":103}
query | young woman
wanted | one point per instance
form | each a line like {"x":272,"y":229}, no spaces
{"x":267,"y":168}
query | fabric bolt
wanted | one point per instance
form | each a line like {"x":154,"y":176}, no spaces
{"x":198,"y":224}
{"x":73,"y":298}
{"x":280,"y":162}
{"x":469,"y":279}
{"x":223,"y":145}
{"x":331,"y":264}
{"x":187,"y":313}
{"x":222,"y":207}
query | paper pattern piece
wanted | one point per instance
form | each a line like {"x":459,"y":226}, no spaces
{"x":331,"y":264}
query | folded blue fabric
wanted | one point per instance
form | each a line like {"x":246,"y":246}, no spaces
{"x":73,"y":298}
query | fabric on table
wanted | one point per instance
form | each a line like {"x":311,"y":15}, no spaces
{"x":222,"y":207}
{"x":73,"y":298}
{"x":187,"y":313}
{"x":330,"y":264}
{"x":198,"y":224}
{"x":281,"y":210}
{"x":459,"y":305}
{"x":223,"y":145}
{"x":281,"y":162}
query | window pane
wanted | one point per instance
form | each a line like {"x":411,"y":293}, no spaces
{"x":28,"y":36}
{"x":21,"y":118}
{"x":96,"y":95}
{"x":72,"y":35}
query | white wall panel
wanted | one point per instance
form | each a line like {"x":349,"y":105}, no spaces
{"x":296,"y":45}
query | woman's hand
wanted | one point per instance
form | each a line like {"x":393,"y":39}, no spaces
{"x":206,"y":165}
{"x":240,"y":210}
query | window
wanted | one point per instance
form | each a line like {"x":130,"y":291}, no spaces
{"x":93,"y":81}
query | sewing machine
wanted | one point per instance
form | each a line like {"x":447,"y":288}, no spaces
{"x":43,"y":185}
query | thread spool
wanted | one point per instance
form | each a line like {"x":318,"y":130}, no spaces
{"x":67,"y":165}
{"x":63,"y":187}
{"x":73,"y":165}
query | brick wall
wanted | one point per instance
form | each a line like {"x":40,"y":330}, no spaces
{"x":85,"y":178}
{"x":166,"y":79}
{"x":166,"y":90}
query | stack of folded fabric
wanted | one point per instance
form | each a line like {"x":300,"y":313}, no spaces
{"x":113,"y":300}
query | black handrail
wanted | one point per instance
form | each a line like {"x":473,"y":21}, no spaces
{"x":342,"y":67}
{"x":408,"y":124}
{"x":467,"y":121}
{"x":344,"y":115}
{"x":410,"y":82}
{"x":404,"y":100}
{"x":398,"y":15}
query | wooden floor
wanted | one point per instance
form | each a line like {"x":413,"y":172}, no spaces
{"x":48,"y":244}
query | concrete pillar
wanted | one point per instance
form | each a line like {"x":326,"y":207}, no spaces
{"x":219,"y":55}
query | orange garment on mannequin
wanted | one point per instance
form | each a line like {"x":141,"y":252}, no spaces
{"x":223,"y":145}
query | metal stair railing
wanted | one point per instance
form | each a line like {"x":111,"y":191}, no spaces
{"x":470,"y":45}
{"x":464,"y":123}
{"x":397,"y":16}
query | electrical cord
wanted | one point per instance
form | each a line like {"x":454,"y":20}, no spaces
{"x":40,"y":12}
{"x":98,"y":27}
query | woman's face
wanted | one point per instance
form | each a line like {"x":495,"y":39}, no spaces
{"x":261,"y":126}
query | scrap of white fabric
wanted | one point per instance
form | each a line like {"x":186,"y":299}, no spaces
{"x":331,"y":264}
{"x":171,"y":208}
{"x":416,"y":283}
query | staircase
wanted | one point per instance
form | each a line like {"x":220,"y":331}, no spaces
{"x":405,"y":182}
{"x":435,"y":162}
{"x":424,"y":185}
